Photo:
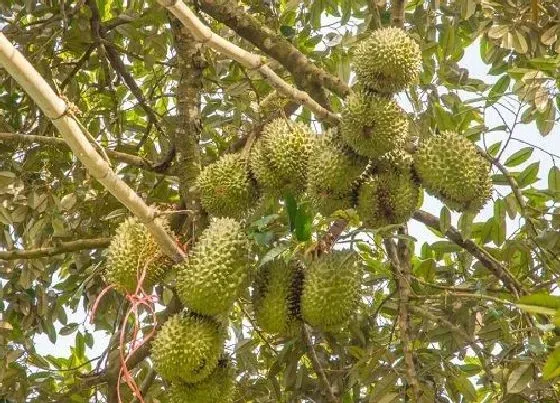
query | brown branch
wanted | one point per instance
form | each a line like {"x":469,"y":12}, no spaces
{"x":319,"y":371}
{"x":487,"y":260}
{"x":129,"y":159}
{"x":398,"y":12}
{"x":64,"y":247}
{"x":112,"y":55}
{"x":307,"y":75}
{"x":401,"y":272}
{"x":328,"y":240}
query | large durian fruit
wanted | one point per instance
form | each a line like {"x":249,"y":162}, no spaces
{"x":332,"y":174}
{"x":386,"y":198}
{"x":450,"y":168}
{"x":373,"y":126}
{"x":218,"y":387}
{"x":331,"y":290}
{"x":187,"y":348}
{"x":132,"y":250}
{"x":388,"y":61}
{"x":225,"y":187}
{"x":276,"y":297}
{"x":279,"y":158}
{"x":217,"y":268}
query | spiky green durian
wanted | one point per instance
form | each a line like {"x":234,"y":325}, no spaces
{"x":275,"y":296}
{"x":387,"y":198}
{"x":217,"y":268}
{"x":225,"y":187}
{"x":218,"y":387}
{"x":132,"y":250}
{"x":396,"y":160}
{"x":388,"y":61}
{"x":187,"y":348}
{"x":331,"y":290}
{"x":373,"y":126}
{"x":279,"y":158}
{"x":333,"y":170}
{"x":450,"y":168}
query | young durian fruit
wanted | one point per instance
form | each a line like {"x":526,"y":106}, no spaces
{"x":132,"y":251}
{"x":225,"y":187}
{"x":218,"y":387}
{"x":279,"y":158}
{"x":373,"y":126}
{"x":187,"y":348}
{"x":451,"y":169}
{"x":274,"y":298}
{"x":217,"y":268}
{"x":388,"y":61}
{"x":331,"y":290}
{"x":386,"y":198}
{"x":396,"y":160}
{"x":332,"y":174}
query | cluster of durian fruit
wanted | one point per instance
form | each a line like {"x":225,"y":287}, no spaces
{"x":364,"y":164}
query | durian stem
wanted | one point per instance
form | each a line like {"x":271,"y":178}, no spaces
{"x":250,"y":60}
{"x":317,"y":367}
{"x":397,"y":13}
{"x":400,"y":265}
{"x":56,"y":109}
{"x":487,"y":260}
{"x":64,"y":247}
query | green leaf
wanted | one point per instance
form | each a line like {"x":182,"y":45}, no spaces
{"x":494,"y":148}
{"x":540,"y":303}
{"x":499,"y":230}
{"x":552,"y":366}
{"x":519,"y":378}
{"x":498,"y":90}
{"x":69,"y":329}
{"x":290,"y":205}
{"x":529,"y":175}
{"x":304,"y":221}
{"x":554,"y":180}
{"x":444,"y":219}
{"x":546,"y":120}
{"x":519,"y":157}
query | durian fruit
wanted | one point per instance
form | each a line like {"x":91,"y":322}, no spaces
{"x":387,"y":198}
{"x":388,"y":61}
{"x":279,"y":158}
{"x":373,"y":126}
{"x":331,"y":290}
{"x":275,"y":297}
{"x":217,"y":268}
{"x":451,"y":169}
{"x":218,"y":387}
{"x":332,"y":173}
{"x":132,"y":250}
{"x":187,"y":348}
{"x":396,"y":160}
{"x":225,"y":187}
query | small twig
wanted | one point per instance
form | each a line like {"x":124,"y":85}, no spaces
{"x":317,"y":367}
{"x":64,"y":247}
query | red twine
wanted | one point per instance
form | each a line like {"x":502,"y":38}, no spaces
{"x":139,"y":298}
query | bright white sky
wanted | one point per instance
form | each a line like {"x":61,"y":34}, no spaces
{"x":477,"y":69}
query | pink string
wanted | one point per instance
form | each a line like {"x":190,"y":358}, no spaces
{"x":139,"y":298}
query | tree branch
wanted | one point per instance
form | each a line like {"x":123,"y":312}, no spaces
{"x":64,"y":247}
{"x":129,"y":159}
{"x":56,"y":109}
{"x":307,"y":75}
{"x":401,"y":272}
{"x":495,"y":267}
{"x":252,"y":61}
{"x":397,"y":13}
{"x":317,"y":365}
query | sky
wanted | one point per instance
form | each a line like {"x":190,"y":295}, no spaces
{"x":477,"y":69}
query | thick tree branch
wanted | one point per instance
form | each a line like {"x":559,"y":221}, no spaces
{"x":317,"y":367}
{"x":56,"y":109}
{"x":128,"y":159}
{"x":64,"y":247}
{"x":495,"y":267}
{"x":400,"y":264}
{"x":307,"y":75}
{"x":252,"y":61}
